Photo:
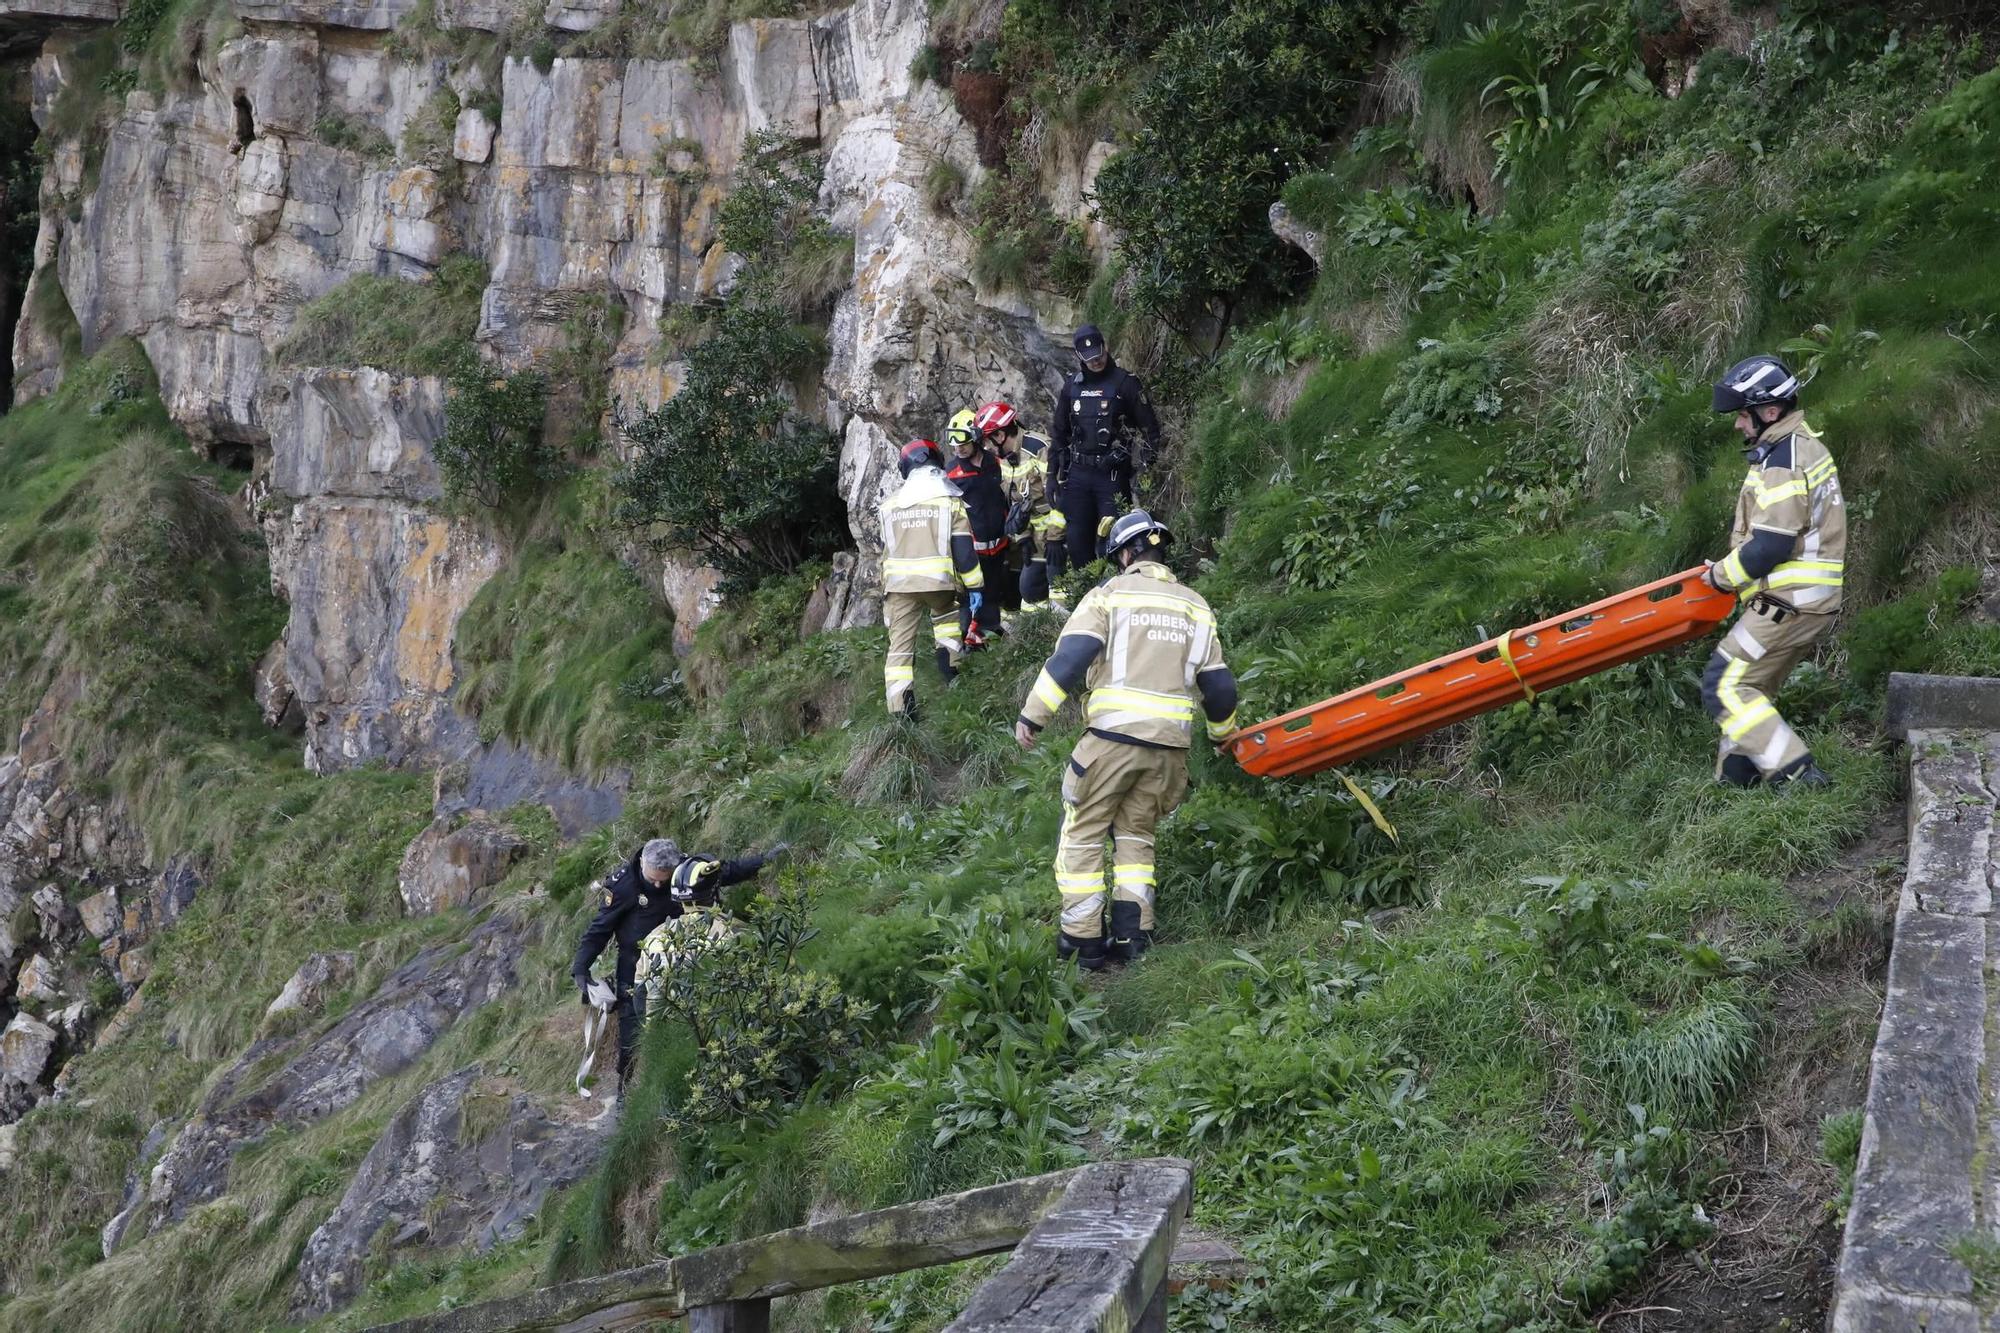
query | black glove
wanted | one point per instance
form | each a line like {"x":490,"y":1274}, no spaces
{"x":1017,"y":518}
{"x":582,"y":990}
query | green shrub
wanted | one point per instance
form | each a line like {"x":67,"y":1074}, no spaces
{"x":1906,"y":634}
{"x":1452,"y":384}
{"x":429,"y":136}
{"x":493,"y":452}
{"x":410,"y":328}
{"x":1233,"y":106}
{"x":944,"y":182}
{"x":777,"y":183}
{"x":355,"y":136}
{"x":766,"y":1028}
{"x":1230,"y":858}
{"x":1017,"y":242}
{"x":1002,"y":986}
{"x":729,"y":467}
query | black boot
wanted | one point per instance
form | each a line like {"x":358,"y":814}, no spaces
{"x":1089,"y":954}
{"x":908,"y":712}
{"x":1801,"y":773}
{"x":945,"y":668}
{"x":1739,"y":770}
{"x":1128,"y":941}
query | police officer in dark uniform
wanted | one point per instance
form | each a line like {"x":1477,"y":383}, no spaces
{"x":659,"y":882}
{"x":1093,"y":455}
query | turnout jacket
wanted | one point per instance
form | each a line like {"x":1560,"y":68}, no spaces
{"x":982,"y":486}
{"x":1144,"y":645}
{"x":1095,"y":412}
{"x":1025,"y":477}
{"x":630,"y":908}
{"x":1789,"y":539}
{"x":927,"y":537}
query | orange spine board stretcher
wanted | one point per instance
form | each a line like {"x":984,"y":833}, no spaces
{"x":1479,"y":679}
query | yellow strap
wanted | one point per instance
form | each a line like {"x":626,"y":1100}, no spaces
{"x":1503,"y":643}
{"x":1374,"y":812}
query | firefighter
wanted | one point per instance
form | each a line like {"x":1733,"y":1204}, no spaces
{"x":1036,"y":527}
{"x":974,"y":467}
{"x":1146,"y":647}
{"x":1787,"y":545}
{"x":927,"y":556}
{"x":1093,"y":458}
{"x":659,"y":882}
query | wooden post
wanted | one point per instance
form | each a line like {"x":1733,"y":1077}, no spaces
{"x":731,"y":1317}
{"x":1098,"y":1262}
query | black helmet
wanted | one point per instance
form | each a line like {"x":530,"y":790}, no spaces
{"x":916,"y":454}
{"x":1757,"y":381}
{"x":1137,"y":526}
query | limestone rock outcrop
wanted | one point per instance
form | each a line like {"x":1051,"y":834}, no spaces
{"x":470,"y":1158}
{"x":313,"y":984}
{"x":452,"y":864}
{"x":76,"y":903}
{"x":324,"y":1072}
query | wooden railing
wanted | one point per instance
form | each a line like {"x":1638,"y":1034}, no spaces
{"x":1091,"y":1253}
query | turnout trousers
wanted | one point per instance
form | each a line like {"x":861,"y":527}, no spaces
{"x":1118,"y":792}
{"x":914,"y":617}
{"x":1744,"y":675}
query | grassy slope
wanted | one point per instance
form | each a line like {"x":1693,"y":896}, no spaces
{"x":1398,"y":1121}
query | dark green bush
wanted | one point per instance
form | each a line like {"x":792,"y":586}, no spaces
{"x":729,"y":467}
{"x":492,"y":451}
{"x":1233,"y":107}
{"x":1445,"y":384}
{"x":766,"y":1027}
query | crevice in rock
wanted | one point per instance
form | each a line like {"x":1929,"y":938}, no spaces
{"x":246,"y":120}
{"x":236,"y":455}
{"x":20,"y":185}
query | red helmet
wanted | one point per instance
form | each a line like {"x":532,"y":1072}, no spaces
{"x":916,"y":454}
{"x":996,"y":417}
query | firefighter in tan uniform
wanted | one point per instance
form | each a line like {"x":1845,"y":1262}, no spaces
{"x":1787,"y":545}
{"x":1145,"y":647}
{"x":1034,"y":523}
{"x":927,"y":556}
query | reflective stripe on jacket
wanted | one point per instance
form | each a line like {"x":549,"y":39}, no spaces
{"x":923,"y":521}
{"x":1153,"y":658}
{"x":1792,"y":492}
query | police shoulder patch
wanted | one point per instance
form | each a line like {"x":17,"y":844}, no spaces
{"x":609,"y":897}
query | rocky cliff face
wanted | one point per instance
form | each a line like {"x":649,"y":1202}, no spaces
{"x":200,"y":221}
{"x":210,"y":217}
